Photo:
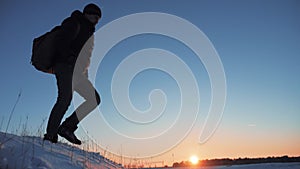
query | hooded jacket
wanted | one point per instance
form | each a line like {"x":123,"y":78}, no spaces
{"x":75,"y":31}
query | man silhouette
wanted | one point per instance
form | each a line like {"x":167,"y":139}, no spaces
{"x":76,"y":32}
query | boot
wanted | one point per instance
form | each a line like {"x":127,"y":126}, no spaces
{"x":67,"y":129}
{"x":68,"y":134}
{"x":52,"y":139}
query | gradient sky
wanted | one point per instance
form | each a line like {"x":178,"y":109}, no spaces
{"x":258,"y":42}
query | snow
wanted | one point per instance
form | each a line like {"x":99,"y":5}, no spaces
{"x":295,"y":165}
{"x":268,"y":166}
{"x":260,"y":166}
{"x":34,"y":153}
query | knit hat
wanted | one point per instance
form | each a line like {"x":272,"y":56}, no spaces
{"x":92,"y":9}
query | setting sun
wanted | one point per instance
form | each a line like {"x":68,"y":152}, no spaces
{"x":194,"y":160}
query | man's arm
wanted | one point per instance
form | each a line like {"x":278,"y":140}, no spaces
{"x":69,"y":31}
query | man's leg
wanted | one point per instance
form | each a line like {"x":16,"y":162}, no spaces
{"x":92,"y":100}
{"x":64,"y":85}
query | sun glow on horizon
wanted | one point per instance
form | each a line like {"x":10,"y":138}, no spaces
{"x":194,"y":159}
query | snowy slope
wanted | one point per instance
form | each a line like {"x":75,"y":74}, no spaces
{"x":32,"y":152}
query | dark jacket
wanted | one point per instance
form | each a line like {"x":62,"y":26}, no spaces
{"x":75,"y":31}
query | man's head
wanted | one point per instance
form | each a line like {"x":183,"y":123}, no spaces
{"x":92,"y":12}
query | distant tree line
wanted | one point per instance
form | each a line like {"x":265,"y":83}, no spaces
{"x":238,"y":161}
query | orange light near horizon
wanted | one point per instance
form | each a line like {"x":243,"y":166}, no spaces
{"x":194,"y":160}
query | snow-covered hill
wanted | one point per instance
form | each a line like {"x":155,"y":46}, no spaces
{"x":32,"y":152}
{"x":24,"y":152}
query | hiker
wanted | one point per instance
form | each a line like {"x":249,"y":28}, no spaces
{"x":76,"y":30}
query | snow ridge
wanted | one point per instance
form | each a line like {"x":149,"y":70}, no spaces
{"x":33,"y":153}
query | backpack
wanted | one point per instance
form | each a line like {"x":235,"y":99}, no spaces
{"x":44,"y":51}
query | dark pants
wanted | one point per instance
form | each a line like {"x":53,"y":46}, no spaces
{"x":66,"y":86}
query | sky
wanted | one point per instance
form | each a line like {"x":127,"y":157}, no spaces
{"x":258,"y":44}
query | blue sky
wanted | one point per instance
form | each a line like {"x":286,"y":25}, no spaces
{"x":258,"y":42}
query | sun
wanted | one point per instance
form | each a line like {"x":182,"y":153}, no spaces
{"x":194,"y":160}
